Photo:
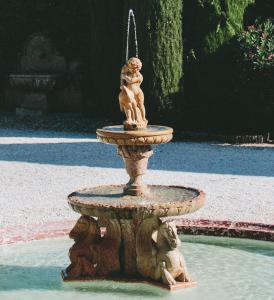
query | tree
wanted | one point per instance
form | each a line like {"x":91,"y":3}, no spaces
{"x":159,"y":30}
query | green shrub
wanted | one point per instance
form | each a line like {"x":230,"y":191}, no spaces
{"x":210,"y":68}
{"x":257,"y":45}
{"x":256,"y":73}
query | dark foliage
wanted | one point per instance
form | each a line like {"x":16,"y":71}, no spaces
{"x":215,"y":93}
{"x":202,"y":88}
{"x":159,"y":25}
{"x":256,"y":71}
{"x":65,"y":21}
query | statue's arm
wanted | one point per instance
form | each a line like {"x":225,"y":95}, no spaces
{"x":131,"y":80}
{"x":138,"y":79}
{"x":122,"y":80}
{"x":121,"y":107}
{"x":141,"y":78}
{"x":122,"y":76}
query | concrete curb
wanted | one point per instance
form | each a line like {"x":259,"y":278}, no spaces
{"x":14,"y":234}
{"x":257,"y":231}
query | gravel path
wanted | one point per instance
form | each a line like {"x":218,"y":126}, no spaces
{"x":40,"y":168}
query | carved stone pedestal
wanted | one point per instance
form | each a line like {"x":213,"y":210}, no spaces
{"x":32,"y":104}
{"x":135,"y":148}
{"x":32,"y":92}
{"x":136,"y":160}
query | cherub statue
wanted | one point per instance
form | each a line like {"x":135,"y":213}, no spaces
{"x":158,"y":255}
{"x":131,"y":97}
{"x":93,"y":255}
{"x":85,"y":233}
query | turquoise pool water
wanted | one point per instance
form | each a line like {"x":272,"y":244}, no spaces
{"x":224,"y":268}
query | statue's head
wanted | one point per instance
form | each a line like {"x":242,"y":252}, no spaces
{"x":134,"y":64}
{"x":85,"y":227}
{"x":168,"y":232}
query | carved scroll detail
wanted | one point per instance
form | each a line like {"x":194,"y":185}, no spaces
{"x":150,"y":140}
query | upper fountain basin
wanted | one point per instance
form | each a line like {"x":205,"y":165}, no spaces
{"x":117,"y":135}
{"x":33,"y":82}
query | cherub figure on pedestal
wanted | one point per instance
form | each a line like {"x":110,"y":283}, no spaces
{"x":131,"y":97}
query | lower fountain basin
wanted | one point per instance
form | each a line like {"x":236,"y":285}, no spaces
{"x":224,"y":268}
{"x":163,"y":201}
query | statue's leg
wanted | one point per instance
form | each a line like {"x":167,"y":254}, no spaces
{"x":89,"y":268}
{"x":183,"y":277}
{"x":135,"y":111}
{"x":140,"y":100}
{"x":166,"y":276}
{"x":74,"y":270}
{"x":128,"y":112}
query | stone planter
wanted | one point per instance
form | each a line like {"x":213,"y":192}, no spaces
{"x":33,"y":90}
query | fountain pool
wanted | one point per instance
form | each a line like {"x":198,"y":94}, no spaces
{"x":224,"y":268}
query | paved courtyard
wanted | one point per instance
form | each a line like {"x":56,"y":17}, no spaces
{"x":40,"y":168}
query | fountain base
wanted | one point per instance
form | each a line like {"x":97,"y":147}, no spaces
{"x":33,"y":113}
{"x":122,"y":232}
{"x":177,"y":286}
{"x":122,"y":236}
{"x":33,"y":104}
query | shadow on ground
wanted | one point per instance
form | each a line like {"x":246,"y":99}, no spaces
{"x":179,"y":156}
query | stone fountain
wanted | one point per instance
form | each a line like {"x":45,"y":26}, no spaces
{"x":121,"y":234}
{"x":124,"y":232}
{"x":40,"y":68}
